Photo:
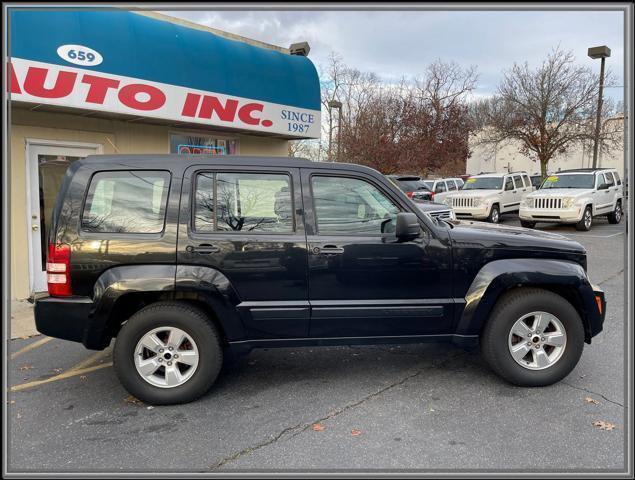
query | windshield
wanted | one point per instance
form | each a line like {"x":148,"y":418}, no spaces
{"x":429,"y":184}
{"x":483,"y":183}
{"x":412,"y":185}
{"x":569,"y":181}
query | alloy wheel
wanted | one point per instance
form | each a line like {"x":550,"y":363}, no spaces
{"x":537,"y":340}
{"x":166,"y":357}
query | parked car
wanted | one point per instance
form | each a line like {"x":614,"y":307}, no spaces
{"x":188,"y":261}
{"x":487,"y":196}
{"x":436,"y":210}
{"x":442,"y":186}
{"x":413,"y":186}
{"x":575,"y":196}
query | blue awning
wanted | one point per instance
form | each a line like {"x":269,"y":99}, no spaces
{"x":139,"y":47}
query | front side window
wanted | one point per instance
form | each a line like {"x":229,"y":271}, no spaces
{"x":126,"y":202}
{"x":440,"y":187}
{"x":451,"y":185}
{"x":509,"y":185}
{"x":243,"y":202}
{"x":350,"y":206}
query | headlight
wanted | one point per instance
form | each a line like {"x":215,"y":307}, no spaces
{"x":477,"y":202}
{"x":448,"y":201}
{"x":568,"y":202}
{"x":527,"y":202}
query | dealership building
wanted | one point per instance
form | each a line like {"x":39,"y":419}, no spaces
{"x":110,"y":81}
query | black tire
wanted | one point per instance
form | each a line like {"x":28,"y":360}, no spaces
{"x":169,"y":314}
{"x":527,"y":224}
{"x":511,"y":307}
{"x":615,"y":216}
{"x":586,"y":222}
{"x":494,"y":214}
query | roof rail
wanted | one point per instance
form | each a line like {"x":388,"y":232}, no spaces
{"x":584,"y":169}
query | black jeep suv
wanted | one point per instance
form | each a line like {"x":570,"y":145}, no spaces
{"x":190,"y":260}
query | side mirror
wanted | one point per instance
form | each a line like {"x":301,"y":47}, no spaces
{"x":603,"y":186}
{"x":407,"y":226}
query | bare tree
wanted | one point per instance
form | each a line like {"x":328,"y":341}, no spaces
{"x":547,"y":109}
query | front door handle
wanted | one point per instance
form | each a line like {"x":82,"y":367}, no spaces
{"x":204,"y":248}
{"x":328,"y":250}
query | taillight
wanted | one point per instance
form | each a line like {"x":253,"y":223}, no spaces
{"x":58,"y":266}
{"x":410,"y":194}
{"x":431,"y":195}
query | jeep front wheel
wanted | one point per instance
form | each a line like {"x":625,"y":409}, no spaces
{"x":494,"y":214}
{"x":533,"y":338}
{"x":584,"y":225}
{"x":168,"y":353}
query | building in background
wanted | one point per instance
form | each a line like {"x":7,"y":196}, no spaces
{"x":507,"y":157}
{"x":109,"y":81}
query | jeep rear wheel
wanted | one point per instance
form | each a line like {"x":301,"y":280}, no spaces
{"x":533,"y":338}
{"x":494,"y":214}
{"x":616,"y":215}
{"x":584,"y":225}
{"x":168,"y":353}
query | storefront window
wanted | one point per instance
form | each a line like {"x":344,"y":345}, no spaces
{"x":201,"y":144}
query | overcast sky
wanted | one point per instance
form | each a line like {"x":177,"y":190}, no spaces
{"x":393,"y":44}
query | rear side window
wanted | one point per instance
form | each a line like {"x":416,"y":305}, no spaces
{"x":527,"y":180}
{"x":617,"y":177}
{"x":131,"y":201}
{"x":243,"y":202}
{"x":518,"y":181}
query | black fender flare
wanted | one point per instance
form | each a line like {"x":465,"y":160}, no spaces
{"x":202,"y":285}
{"x":498,"y":276}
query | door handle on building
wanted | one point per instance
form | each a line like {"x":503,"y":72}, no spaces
{"x":35,"y":227}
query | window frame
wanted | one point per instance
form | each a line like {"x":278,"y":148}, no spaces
{"x":353,"y":177}
{"x":215,"y":172}
{"x":113,"y":235}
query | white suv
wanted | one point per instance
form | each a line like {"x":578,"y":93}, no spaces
{"x":487,"y":196}
{"x":441,"y":187}
{"x":575,"y":196}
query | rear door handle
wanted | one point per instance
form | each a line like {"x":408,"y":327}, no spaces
{"x":328,"y":250}
{"x":204,"y":248}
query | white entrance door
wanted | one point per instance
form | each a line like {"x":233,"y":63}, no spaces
{"x":46,"y":168}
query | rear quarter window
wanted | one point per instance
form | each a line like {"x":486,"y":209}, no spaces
{"x":132,"y":201}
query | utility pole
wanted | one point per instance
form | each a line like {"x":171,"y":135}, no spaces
{"x":599,"y":52}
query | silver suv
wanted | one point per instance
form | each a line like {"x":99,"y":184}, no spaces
{"x":575,"y":196}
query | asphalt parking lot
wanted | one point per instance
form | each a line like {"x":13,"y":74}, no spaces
{"x":428,"y":407}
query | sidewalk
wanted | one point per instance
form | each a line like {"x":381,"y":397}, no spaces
{"x":22,"y":320}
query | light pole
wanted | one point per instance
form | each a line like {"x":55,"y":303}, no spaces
{"x":598,"y":52}
{"x":335,"y":104}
